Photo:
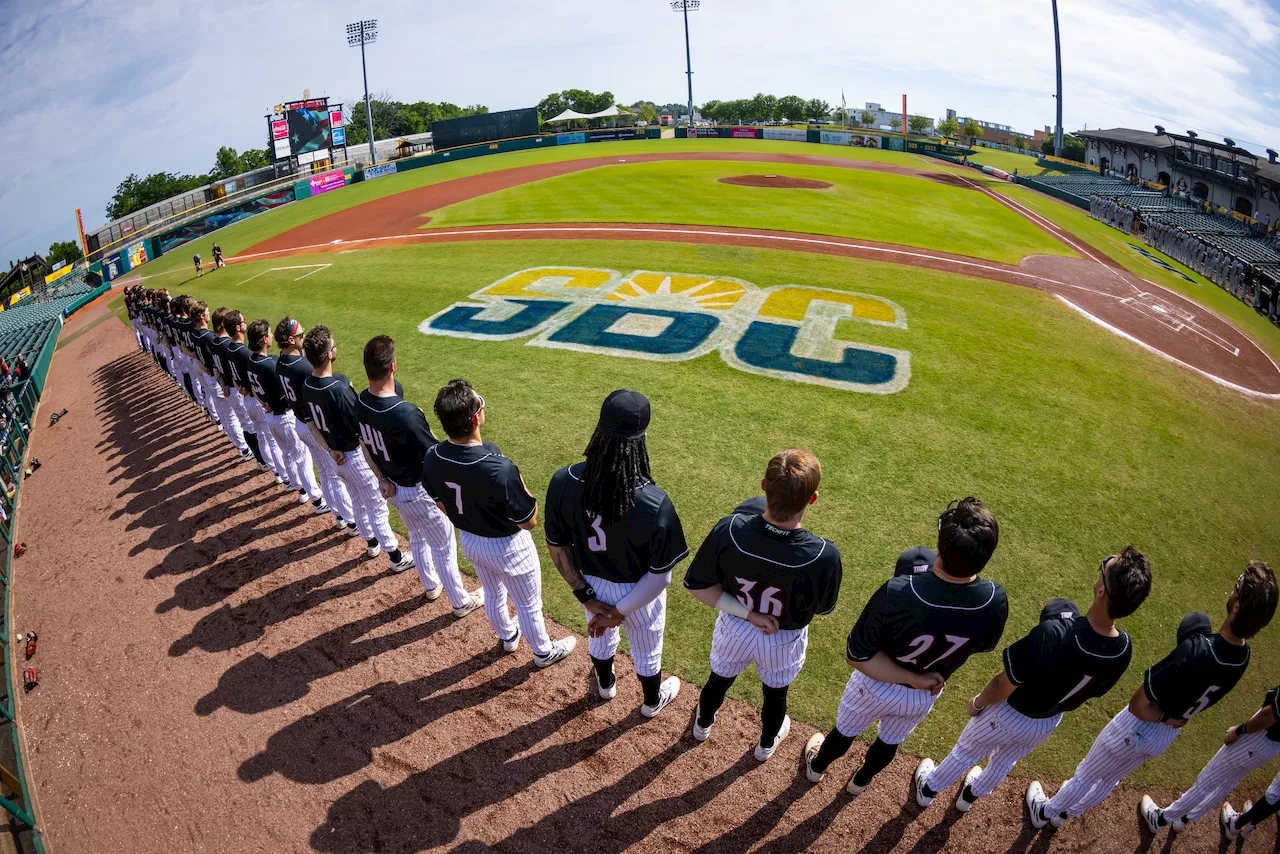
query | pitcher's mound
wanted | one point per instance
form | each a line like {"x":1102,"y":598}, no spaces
{"x":780,"y":182}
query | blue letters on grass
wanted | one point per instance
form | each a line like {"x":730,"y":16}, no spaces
{"x":686,"y":332}
{"x":768,"y":346}
{"x":462,"y":318}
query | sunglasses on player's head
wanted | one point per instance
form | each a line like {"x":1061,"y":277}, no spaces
{"x":1102,"y":571}
{"x":478,"y":408}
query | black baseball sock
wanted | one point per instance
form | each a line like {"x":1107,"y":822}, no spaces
{"x":712,"y":697}
{"x":878,"y":758}
{"x":395,"y":556}
{"x":1258,"y":813}
{"x":652,"y":686}
{"x":604,"y":672}
{"x":251,"y":439}
{"x":772,"y":715}
{"x":834,"y":746}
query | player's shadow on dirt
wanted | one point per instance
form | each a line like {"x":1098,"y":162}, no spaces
{"x":758,"y":825}
{"x":936,"y":837}
{"x":426,"y":810}
{"x":340,"y":739}
{"x":190,"y":555}
{"x":1030,"y":840}
{"x":214,"y":584}
{"x":803,"y":835}
{"x":258,"y":683}
{"x":230,"y":627}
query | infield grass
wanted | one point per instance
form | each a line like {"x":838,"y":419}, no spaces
{"x":1079,"y":441}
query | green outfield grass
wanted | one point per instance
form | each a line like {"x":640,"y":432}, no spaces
{"x":1079,"y":441}
{"x":871,"y":205}
{"x":1026,"y":164}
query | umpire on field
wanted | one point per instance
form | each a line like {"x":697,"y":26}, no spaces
{"x":615,"y":536}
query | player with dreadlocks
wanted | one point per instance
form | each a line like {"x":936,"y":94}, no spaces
{"x":615,"y":536}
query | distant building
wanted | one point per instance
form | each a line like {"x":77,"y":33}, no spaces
{"x":993,"y":132}
{"x":883,"y":119}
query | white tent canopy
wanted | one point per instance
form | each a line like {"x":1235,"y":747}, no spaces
{"x":569,"y":115}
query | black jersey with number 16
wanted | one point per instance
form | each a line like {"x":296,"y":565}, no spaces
{"x":928,"y":625}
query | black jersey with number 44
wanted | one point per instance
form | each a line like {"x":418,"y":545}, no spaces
{"x":396,"y":433}
{"x":649,"y":538}
{"x":1063,"y":663}
{"x":481,"y":490}
{"x":928,"y":625}
{"x":1201,"y":670}
{"x":790,"y":574}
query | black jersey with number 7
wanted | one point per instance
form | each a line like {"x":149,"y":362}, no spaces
{"x":481,"y":491}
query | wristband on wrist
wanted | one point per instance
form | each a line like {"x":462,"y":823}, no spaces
{"x":585,"y":594}
{"x":1242,"y":729}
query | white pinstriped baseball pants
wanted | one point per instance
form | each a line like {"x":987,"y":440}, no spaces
{"x":293,"y":454}
{"x":331,"y":486}
{"x":736,"y":645}
{"x":899,"y":709}
{"x":431,"y":542}
{"x":1231,"y":764}
{"x":509,"y":564}
{"x":1122,"y":747}
{"x":645,"y":627}
{"x":266,"y":442}
{"x":227,"y":417}
{"x":370,"y":507}
{"x":1273,"y":791}
{"x":1000,"y":732}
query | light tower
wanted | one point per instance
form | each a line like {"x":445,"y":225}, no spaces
{"x":684,"y":7}
{"x":360,"y":34}
{"x":1057,"y":52}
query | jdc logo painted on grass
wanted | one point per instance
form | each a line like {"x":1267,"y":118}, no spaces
{"x":786,"y":331}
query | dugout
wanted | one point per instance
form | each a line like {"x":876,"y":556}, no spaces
{"x":486,"y":127}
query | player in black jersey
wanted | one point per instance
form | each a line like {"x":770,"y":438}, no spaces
{"x":396,"y":437}
{"x":915,"y":632}
{"x":293,"y":369}
{"x":206,"y":348}
{"x":485,"y":497}
{"x":278,"y":417}
{"x":229,"y":385}
{"x":332,"y":401}
{"x":182,"y":343}
{"x":250,"y":408}
{"x":1059,"y":665}
{"x":614,"y":536}
{"x":769,"y":578}
{"x":1201,"y":670}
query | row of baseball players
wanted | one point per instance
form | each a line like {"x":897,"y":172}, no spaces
{"x":615,"y":537}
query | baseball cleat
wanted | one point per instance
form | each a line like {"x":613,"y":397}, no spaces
{"x":406,"y":562}
{"x":434,"y":593}
{"x":559,"y":652}
{"x":474,"y":603}
{"x":319,"y":507}
{"x":667,"y":692}
{"x":303,"y":497}
{"x":852,"y":786}
{"x":701,"y":733}
{"x":352,"y":530}
{"x":1150,"y":814}
{"x":923,"y":770}
{"x":605,"y":693}
{"x":512,"y":643}
{"x":279,"y":480}
{"x":965,"y":800}
{"x":811,"y":748}
{"x":374,"y":548}
{"x":764,"y":754}
{"x":1035,"y":804}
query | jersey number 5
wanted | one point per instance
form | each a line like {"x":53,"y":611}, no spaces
{"x":769,"y":602}
{"x":1202,"y":703}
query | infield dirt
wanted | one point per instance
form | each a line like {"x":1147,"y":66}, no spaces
{"x":221,"y":671}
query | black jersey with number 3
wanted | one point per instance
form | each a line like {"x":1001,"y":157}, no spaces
{"x":928,"y":625}
{"x":790,"y":574}
{"x":1201,"y":670}
{"x":1063,"y":663}
{"x":649,"y":538}
{"x":396,"y":433}
{"x":481,"y":491}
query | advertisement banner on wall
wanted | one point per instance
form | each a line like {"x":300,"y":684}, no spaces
{"x":570,"y":138}
{"x":137,"y":254}
{"x":281,"y":147}
{"x":786,"y":133}
{"x":379,"y":171}
{"x":339,"y":136}
{"x":326,"y":181}
{"x":704,"y":133}
{"x":836,"y":137}
{"x":335,"y":118}
{"x":279,"y":129}
{"x":744,"y":133}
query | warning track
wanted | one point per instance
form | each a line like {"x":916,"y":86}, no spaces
{"x":1097,"y":287}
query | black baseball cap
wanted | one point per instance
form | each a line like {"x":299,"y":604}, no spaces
{"x":915,"y":561}
{"x":624,"y":414}
{"x":1195,"y":623}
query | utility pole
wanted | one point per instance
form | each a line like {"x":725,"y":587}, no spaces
{"x":1057,"y":52}
{"x":362,"y":33}
{"x":684,"y":7}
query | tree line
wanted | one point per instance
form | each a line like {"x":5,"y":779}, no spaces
{"x":134,"y":193}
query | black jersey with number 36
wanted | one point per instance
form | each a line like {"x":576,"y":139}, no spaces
{"x":396,"y":433}
{"x":928,"y":625}
{"x":481,"y":491}
{"x":793,"y":575}
{"x":1063,"y":663}
{"x":1201,"y":670}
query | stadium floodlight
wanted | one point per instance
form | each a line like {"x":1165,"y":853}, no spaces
{"x":1057,"y":52}
{"x":360,"y":34}
{"x":684,"y":7}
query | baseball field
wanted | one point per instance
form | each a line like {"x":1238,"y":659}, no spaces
{"x":929,"y":333}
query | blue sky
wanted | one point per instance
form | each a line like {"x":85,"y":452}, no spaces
{"x":94,"y":91}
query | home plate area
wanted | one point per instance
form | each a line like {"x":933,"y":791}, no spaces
{"x":1176,"y":317}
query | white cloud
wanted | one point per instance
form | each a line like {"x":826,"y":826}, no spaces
{"x":96,"y":90}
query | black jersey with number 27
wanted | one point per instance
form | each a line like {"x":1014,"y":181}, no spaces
{"x":928,"y":625}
